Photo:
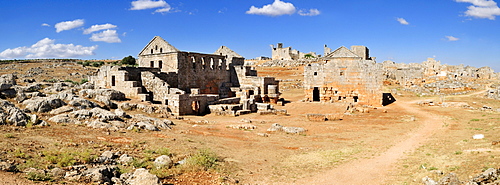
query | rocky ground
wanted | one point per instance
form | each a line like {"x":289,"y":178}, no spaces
{"x":57,"y":129}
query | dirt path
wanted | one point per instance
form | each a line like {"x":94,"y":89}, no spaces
{"x":376,"y":170}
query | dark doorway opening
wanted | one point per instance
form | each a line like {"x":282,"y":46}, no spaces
{"x":355,"y":98}
{"x":113,"y":81}
{"x":316,"y":94}
{"x":387,"y":99}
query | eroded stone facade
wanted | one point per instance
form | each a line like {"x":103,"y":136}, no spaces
{"x":344,"y":75}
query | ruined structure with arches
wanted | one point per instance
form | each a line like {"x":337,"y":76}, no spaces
{"x":187,"y":82}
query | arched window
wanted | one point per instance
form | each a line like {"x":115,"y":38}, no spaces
{"x":161,"y":50}
{"x":151,"y":51}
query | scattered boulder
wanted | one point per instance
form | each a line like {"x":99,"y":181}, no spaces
{"x":63,"y":109}
{"x":490,"y":176}
{"x":107,"y":93}
{"x":163,"y":161}
{"x":127,"y":106}
{"x":142,"y":176}
{"x":150,"y":123}
{"x":7,"y":81}
{"x":4,"y":166}
{"x":100,"y":174}
{"x":61,"y":118}
{"x":290,"y":130}
{"x":11,"y":115}
{"x":57,"y":172}
{"x":125,"y":159}
{"x":86,"y":85}
{"x":43,"y":104}
{"x":81,"y":103}
{"x":243,"y":126}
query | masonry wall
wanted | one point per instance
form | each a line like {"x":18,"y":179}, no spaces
{"x":204,"y":71}
{"x":344,"y":80}
{"x":166,"y":62}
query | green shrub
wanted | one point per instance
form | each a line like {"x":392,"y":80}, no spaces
{"x":203,"y":160}
{"x":84,"y":80}
{"x":38,"y":176}
{"x":128,"y":60}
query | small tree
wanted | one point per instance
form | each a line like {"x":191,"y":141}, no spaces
{"x":308,"y":56}
{"x":128,"y":60}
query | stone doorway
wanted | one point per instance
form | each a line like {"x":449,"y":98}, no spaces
{"x":316,"y":94}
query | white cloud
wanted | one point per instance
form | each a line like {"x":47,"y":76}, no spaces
{"x":109,"y":36}
{"x":311,"y":12}
{"x":68,"y":25}
{"x":164,"y":10}
{"x":452,"y":38}
{"x":162,"y":6}
{"x":46,"y":48}
{"x":276,"y":9}
{"x":485,"y":9}
{"x":98,"y":27}
{"x":479,"y":2}
{"x":402,"y":21}
{"x":45,"y":24}
{"x":489,"y":12}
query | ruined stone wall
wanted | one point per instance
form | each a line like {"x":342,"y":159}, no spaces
{"x":166,"y":62}
{"x":204,"y":71}
{"x":188,"y":104}
{"x":344,"y":80}
{"x":158,"y":87}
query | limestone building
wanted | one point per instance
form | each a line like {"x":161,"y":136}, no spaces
{"x":345,"y":75}
{"x":287,"y":53}
{"x":187,"y":82}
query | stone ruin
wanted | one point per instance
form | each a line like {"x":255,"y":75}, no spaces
{"x":188,"y":83}
{"x":281,"y":53}
{"x":433,"y":78}
{"x":344,"y":75}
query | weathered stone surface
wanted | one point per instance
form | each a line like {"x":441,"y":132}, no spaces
{"x":450,"y":179}
{"x":100,"y":174}
{"x":7,"y":81}
{"x":66,"y":95}
{"x":489,"y":177}
{"x":86,"y":85}
{"x":163,"y":161}
{"x":125,"y":159}
{"x":11,"y":115}
{"x":290,"y":130}
{"x":61,"y":118}
{"x":57,"y":172}
{"x":128,"y":106}
{"x":43,"y":104}
{"x":63,"y":109}
{"x":141,"y":176}
{"x":81,"y":103}
{"x":4,"y":166}
{"x":150,"y":123}
{"x":108,"y":93}
{"x":316,"y":117}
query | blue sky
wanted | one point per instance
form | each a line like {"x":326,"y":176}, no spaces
{"x":452,"y":31}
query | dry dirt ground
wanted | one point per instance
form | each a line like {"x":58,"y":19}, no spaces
{"x":396,"y":144}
